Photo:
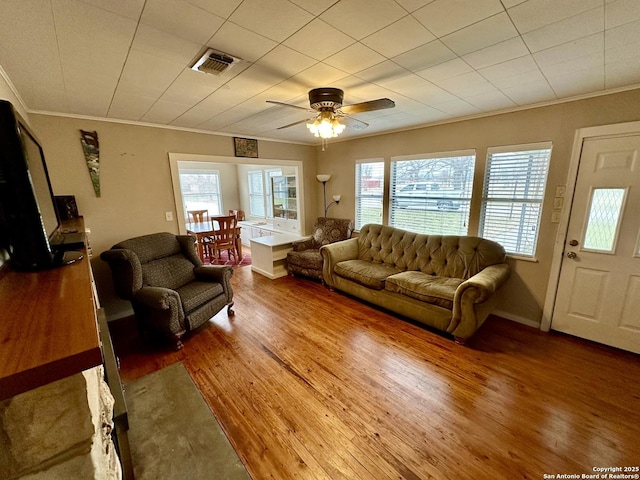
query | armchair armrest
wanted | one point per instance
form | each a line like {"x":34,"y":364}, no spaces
{"x":125,"y":270}
{"x":305,"y":244}
{"x":217,"y":273}
{"x":334,"y":253}
{"x":157,"y":298}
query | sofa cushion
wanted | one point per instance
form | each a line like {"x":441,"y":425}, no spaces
{"x":369,"y":274}
{"x":427,"y":288}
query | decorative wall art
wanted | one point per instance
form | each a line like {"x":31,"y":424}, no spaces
{"x":246,"y":147}
{"x":91,"y":149}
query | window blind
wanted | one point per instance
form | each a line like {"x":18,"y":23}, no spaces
{"x":256,"y":194}
{"x":432,"y":195}
{"x":369,"y":193}
{"x":200,"y":190}
{"x":513,"y":191}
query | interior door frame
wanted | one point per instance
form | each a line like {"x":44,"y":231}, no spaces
{"x":581,"y":135}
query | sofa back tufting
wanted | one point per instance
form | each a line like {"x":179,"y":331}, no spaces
{"x":441,"y":255}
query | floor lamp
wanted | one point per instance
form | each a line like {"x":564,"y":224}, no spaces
{"x":324,"y":178}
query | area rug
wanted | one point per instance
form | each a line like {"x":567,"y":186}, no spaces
{"x":172,"y":432}
{"x":224,"y":260}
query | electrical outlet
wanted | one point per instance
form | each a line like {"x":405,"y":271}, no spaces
{"x":555,"y":217}
{"x":168,"y":216}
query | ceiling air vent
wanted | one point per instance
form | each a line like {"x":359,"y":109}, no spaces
{"x":214,"y":62}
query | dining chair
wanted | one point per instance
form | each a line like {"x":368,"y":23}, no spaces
{"x":238,"y":213}
{"x":198,"y":216}
{"x":224,"y":237}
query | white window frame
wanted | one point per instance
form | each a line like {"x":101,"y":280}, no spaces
{"x":438,"y":210}
{"x":361,"y":198}
{"x":520,"y":252}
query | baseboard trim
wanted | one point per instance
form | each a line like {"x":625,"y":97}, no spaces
{"x":517,"y":319}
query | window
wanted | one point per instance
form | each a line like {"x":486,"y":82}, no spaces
{"x":514,"y":185}
{"x":260,"y":204}
{"x":369,"y":191}
{"x":201,"y":190}
{"x":432,"y":194}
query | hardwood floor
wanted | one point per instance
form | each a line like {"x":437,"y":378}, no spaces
{"x":312,"y":384}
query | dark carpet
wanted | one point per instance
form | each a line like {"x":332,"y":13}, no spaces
{"x":172,"y":432}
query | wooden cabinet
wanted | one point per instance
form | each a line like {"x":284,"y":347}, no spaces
{"x":286,"y":214}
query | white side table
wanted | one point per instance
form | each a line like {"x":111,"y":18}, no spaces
{"x":269,"y":254}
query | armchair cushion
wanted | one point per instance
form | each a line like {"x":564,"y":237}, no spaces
{"x":170,"y":290}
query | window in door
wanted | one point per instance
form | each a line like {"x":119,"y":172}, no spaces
{"x":603,"y":219}
{"x":514,"y":186}
{"x":432,"y":194}
{"x":201,"y":190}
{"x":369,"y":193}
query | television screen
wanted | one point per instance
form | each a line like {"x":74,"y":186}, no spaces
{"x":40,"y":181}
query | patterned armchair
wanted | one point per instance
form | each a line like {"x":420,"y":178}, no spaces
{"x":170,"y":290}
{"x":305,"y":259}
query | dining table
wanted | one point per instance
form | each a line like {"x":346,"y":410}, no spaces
{"x":201,"y":230}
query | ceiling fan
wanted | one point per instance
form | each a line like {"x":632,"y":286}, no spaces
{"x":326,"y":105}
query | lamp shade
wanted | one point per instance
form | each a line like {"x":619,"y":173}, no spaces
{"x":323,"y":177}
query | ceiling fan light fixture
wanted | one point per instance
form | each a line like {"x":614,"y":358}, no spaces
{"x":326,"y":125}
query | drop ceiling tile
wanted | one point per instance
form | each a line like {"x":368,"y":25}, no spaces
{"x":317,"y":75}
{"x":315,"y":7}
{"x":467,"y":85}
{"x":627,"y":52}
{"x":498,"y":53}
{"x":383,"y":72}
{"x":530,"y":93}
{"x":165,"y":45}
{"x":535,"y":14}
{"x":41,"y":97}
{"x":564,"y":31}
{"x":425,"y":56}
{"x":164,"y":112}
{"x":457,"y":108}
{"x":570,"y":50}
{"x":150,"y":71}
{"x":489,"y":101}
{"x":191,"y":87}
{"x":578,"y":82}
{"x":126,"y":8}
{"x":181,"y":19}
{"x":88,"y":98}
{"x":222,"y":8}
{"x":285,"y":62}
{"x":399,"y":37}
{"x":360,"y":18}
{"x":355,"y":58}
{"x":444,"y":70}
{"x":126,"y":106}
{"x":442,"y":17}
{"x":420,"y":90}
{"x":413,"y":5}
{"x":318,"y":40}
{"x":585,"y":62}
{"x":622,"y":35}
{"x":509,"y":68}
{"x":512,"y":3}
{"x":241,"y":42}
{"x":621,"y":12}
{"x":273,"y":19}
{"x":622,"y":73}
{"x":495,"y":29}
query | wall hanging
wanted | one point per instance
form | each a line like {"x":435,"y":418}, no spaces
{"x":91,"y":149}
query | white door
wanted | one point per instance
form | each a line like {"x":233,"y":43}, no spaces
{"x":598,"y":296}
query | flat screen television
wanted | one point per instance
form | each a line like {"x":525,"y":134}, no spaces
{"x":28,"y":216}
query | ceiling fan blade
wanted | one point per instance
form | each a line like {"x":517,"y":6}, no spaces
{"x":353,"y":123}
{"x":294,"y":123}
{"x":370,"y":106}
{"x":289,"y":105}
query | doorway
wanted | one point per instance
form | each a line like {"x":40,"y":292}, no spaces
{"x":598,"y":287}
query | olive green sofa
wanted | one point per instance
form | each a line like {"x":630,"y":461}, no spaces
{"x":446,"y":282}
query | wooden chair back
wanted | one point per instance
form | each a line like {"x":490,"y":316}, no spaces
{"x":197,"y":216}
{"x":239,"y":214}
{"x":224,"y":237}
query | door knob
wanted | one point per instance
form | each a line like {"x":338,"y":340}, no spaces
{"x":573,"y":243}
{"x":571,"y":255}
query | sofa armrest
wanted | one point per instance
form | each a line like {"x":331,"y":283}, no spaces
{"x":476,"y":290}
{"x":216,"y":273}
{"x":334,"y":253}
